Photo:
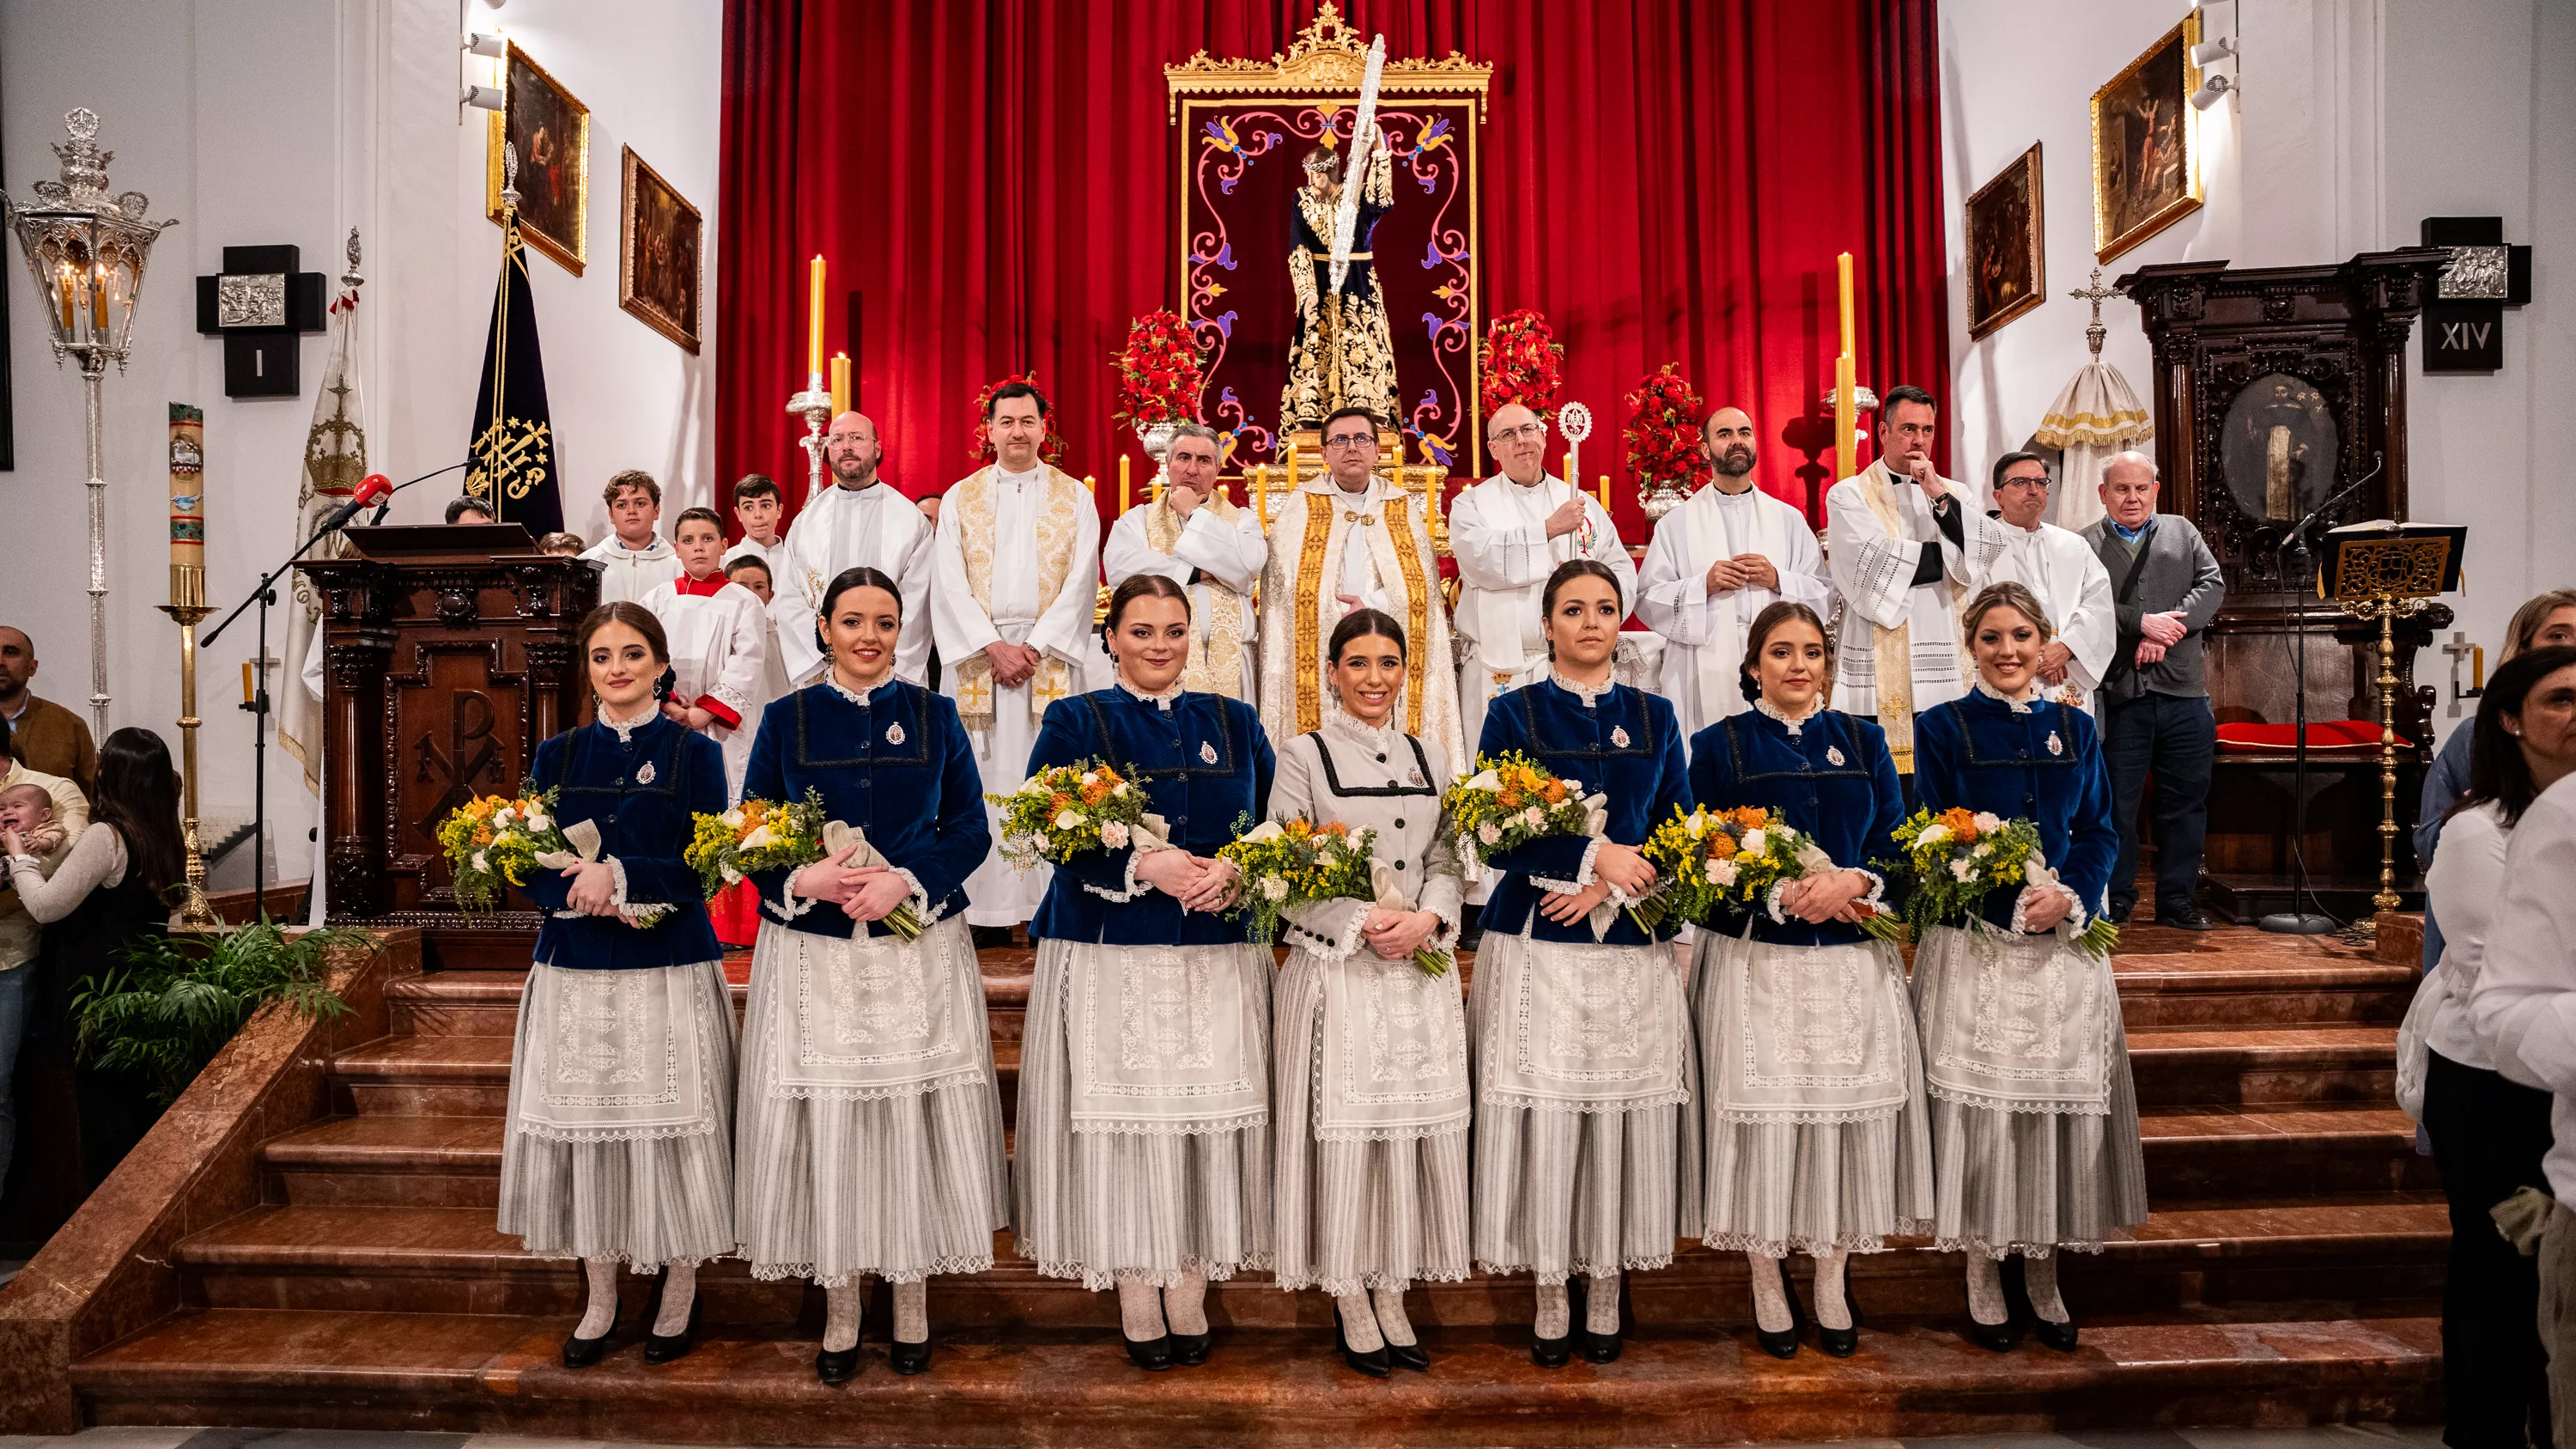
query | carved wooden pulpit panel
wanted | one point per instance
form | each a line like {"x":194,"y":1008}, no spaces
{"x":447,"y":659}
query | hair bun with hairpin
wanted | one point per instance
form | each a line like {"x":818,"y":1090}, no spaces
{"x":667,"y":685}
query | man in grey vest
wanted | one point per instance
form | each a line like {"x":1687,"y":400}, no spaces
{"x":2156,"y":718}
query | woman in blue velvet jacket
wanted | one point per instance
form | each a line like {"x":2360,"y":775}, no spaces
{"x":1586,"y":1158}
{"x":1811,"y":1080}
{"x":619,"y":1145}
{"x":2034,"y":1116}
{"x":1144,"y":1125}
{"x":870,"y":1139}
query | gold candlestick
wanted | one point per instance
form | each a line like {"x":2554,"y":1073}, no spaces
{"x":188,"y":583}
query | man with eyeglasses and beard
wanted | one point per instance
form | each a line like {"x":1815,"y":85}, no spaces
{"x":1725,"y":555}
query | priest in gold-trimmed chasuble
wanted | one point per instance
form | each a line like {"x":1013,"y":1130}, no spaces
{"x":1195,"y":536}
{"x":1348,"y":540}
{"x":1342,"y":354}
{"x":1015,"y":575}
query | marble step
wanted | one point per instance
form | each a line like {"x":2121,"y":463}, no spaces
{"x":2331,"y":1064}
{"x":498,"y":1373}
{"x":454,"y":1260}
{"x":2222,"y":1152}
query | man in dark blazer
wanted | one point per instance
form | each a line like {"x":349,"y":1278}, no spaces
{"x":2156,"y":718}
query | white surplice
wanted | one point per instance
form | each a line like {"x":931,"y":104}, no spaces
{"x":845,"y":528}
{"x":1498,"y":532}
{"x":1703,"y":632}
{"x":749,"y":547}
{"x":719,"y":638}
{"x":1021,"y":611}
{"x":631,"y":573}
{"x":2075,"y":591}
{"x":1873,"y":571}
{"x":1218,"y":559}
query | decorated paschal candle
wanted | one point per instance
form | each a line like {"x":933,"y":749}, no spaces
{"x":187,"y":506}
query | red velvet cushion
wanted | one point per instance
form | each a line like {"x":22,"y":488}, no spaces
{"x":2342,"y":736}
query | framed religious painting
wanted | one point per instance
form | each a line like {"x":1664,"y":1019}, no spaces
{"x":658,"y":233}
{"x":2007,"y":268}
{"x":552,"y":132}
{"x":2146,"y":144}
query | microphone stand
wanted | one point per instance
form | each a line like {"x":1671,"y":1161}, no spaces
{"x":2296,"y":921}
{"x":264,"y":594}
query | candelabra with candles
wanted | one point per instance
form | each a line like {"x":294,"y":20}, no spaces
{"x":826,"y":396}
{"x":86,"y":250}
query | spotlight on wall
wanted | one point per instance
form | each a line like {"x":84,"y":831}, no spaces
{"x":490,"y":98}
{"x":2211,"y":92}
{"x":2203,"y":55}
{"x":494,"y":46}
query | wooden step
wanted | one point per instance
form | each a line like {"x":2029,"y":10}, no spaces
{"x":497,"y":1372}
{"x":2314,"y":1065}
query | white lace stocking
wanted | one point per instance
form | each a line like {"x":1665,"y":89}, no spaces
{"x":1359,"y":1325}
{"x":2039,"y":1275}
{"x":912,"y":1312}
{"x":1770,"y":1294}
{"x":1601,"y":1303}
{"x":1986,"y":1290}
{"x":1555,"y":1317}
{"x":599,"y":1315}
{"x":679,"y":1294}
{"x":1185,"y":1304}
{"x":841,"y":1309}
{"x":1833,"y":1300}
{"x":1389,"y":1305}
{"x":1140,"y":1311}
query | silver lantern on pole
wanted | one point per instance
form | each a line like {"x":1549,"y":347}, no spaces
{"x":86,"y":250}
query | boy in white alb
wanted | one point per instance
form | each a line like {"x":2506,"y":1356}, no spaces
{"x":719,"y":635}
{"x":756,"y":506}
{"x":634,"y":555}
{"x":753,"y":574}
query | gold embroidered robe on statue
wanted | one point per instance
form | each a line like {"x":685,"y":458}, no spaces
{"x":1342,"y":353}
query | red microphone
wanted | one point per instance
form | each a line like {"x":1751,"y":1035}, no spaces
{"x":371,"y":488}
{"x":375,"y":488}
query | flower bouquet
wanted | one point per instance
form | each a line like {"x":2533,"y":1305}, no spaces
{"x":1158,"y":371}
{"x":1712,"y":860}
{"x":1283,"y":867}
{"x":1663,"y":430}
{"x":1521,"y":362}
{"x":1061,"y":812}
{"x":1951,"y":860}
{"x":762,"y":835}
{"x":1512,"y":800}
{"x":495,"y":840}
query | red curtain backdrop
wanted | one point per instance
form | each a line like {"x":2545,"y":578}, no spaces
{"x":1667,"y":180}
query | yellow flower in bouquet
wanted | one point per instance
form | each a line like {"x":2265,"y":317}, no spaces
{"x":494,"y":841}
{"x":1063,"y":811}
{"x":1284,"y":866}
{"x":1709,"y":861}
{"x":1512,"y":800}
{"x":760,"y":835}
{"x":1950,"y":861}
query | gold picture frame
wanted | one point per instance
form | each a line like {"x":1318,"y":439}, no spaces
{"x":2007,"y":246}
{"x":2146,"y":144}
{"x":554,"y":167}
{"x":660,"y":245}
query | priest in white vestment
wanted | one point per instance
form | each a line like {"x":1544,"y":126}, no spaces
{"x":861,"y":520}
{"x":2066,"y":574}
{"x":633,"y":558}
{"x":1196,"y":537}
{"x":1015,"y":577}
{"x":719,"y":637}
{"x":1908,"y":549}
{"x":1729,"y":552}
{"x":1349,"y":539}
{"x":1508,"y":534}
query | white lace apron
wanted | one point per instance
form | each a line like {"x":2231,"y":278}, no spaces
{"x":1807,"y":1033}
{"x":1581,"y":1028}
{"x":617,"y":1055}
{"x":2020,"y":1023}
{"x":1164,"y":1040}
{"x":867,"y":1019}
{"x":1394,"y":1059}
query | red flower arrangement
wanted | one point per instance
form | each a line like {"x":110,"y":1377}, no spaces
{"x":1158,"y":372}
{"x":1522,"y":362}
{"x":1049,"y":451}
{"x":1663,"y":428}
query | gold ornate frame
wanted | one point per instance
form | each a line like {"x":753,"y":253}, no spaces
{"x":574,"y":252}
{"x":675,"y":328}
{"x":2105,"y":245}
{"x":2027,"y":163}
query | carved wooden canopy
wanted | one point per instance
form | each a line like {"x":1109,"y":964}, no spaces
{"x":1326,"y":57}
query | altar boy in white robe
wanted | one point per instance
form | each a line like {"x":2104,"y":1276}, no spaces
{"x":1015,"y":574}
{"x":633,"y":558}
{"x":1724,"y":556}
{"x":860,"y":521}
{"x":1348,"y":540}
{"x":2066,"y":574}
{"x":1196,"y":537}
{"x":1908,"y":548}
{"x":1509,"y":533}
{"x":719,"y":639}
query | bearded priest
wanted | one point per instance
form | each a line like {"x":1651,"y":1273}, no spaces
{"x":1015,"y":572}
{"x":860,"y":521}
{"x":1509,"y":533}
{"x":1347,"y":540}
{"x":1729,"y":552}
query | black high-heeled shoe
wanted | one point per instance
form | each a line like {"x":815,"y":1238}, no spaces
{"x":1597,"y":1347}
{"x":1373,"y":1363}
{"x":1407,"y":1356}
{"x":581,"y":1353}
{"x":1783,"y":1344}
{"x":1153,"y":1355}
{"x":1189,"y":1350}
{"x":1554,"y":1353}
{"x":1841,"y":1342}
{"x":909,"y":1358}
{"x":2059,"y":1336}
{"x":836,"y":1365}
{"x":661,"y":1348}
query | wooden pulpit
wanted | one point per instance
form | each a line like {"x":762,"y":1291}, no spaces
{"x":447,"y":657}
